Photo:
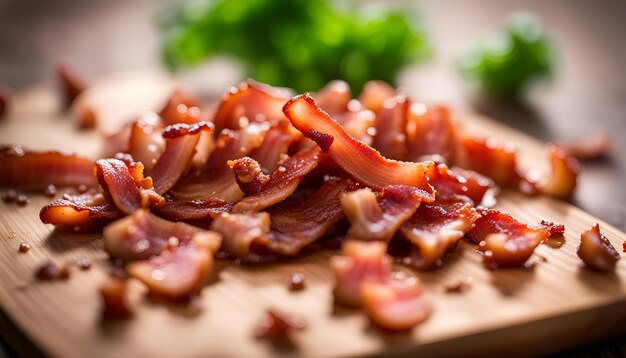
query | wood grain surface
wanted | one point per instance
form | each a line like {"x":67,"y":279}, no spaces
{"x":552,"y":306}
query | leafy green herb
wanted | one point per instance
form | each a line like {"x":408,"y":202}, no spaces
{"x":505,"y":65}
{"x":301,"y":44}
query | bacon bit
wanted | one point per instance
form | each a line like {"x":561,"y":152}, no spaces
{"x":488,"y":157}
{"x":85,"y":117}
{"x":555,"y":230}
{"x":430,"y":131}
{"x":296,"y":282}
{"x":248,"y":175}
{"x":363,"y":162}
{"x":334,"y":97}
{"x":360,"y":261}
{"x":435,"y":230}
{"x":396,"y":304}
{"x":51,"y":191}
{"x":50,"y":272}
{"x":30,"y":170}
{"x":596,"y":251}
{"x":459,"y":286}
{"x":505,"y":241}
{"x":71,"y":84}
{"x":241,"y":230}
{"x":22,"y":200}
{"x":115,"y":303}
{"x":142,"y":235}
{"x":4,"y":100}
{"x":115,"y":178}
{"x":84,"y":264}
{"x":9,"y":196}
{"x":178,"y":106}
{"x":378,"y":218}
{"x":278,"y":327}
{"x":562,"y":181}
{"x":176,"y":274}
{"x":391,"y":123}
{"x":24,"y":247}
{"x":85,"y":212}
{"x":589,"y":147}
{"x":375,"y":93}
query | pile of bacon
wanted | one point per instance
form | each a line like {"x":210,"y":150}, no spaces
{"x":262,"y":176}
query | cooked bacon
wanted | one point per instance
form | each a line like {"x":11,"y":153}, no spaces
{"x":555,"y":230}
{"x":430,"y":133}
{"x":334,"y":97}
{"x":360,"y":261}
{"x":31,"y":170}
{"x":70,"y":83}
{"x":193,"y":209}
{"x":596,"y":251}
{"x":436,"y":228}
{"x":588,"y":148}
{"x":364,"y":163}
{"x":488,"y":157}
{"x":146,"y":142}
{"x":84,"y":212}
{"x":175,"y":161}
{"x":297,"y":223}
{"x":391,"y":125}
{"x":505,"y":242}
{"x":114,"y":299}
{"x":375,"y":93}
{"x":283,"y":182}
{"x":177,"y":274}
{"x":250,"y":102}
{"x":396,"y":304}
{"x":378,"y":218}
{"x":248,"y":175}
{"x":360,"y":124}
{"x":181,"y":107}
{"x":240,"y":231}
{"x":278,"y":327}
{"x":459,"y":182}
{"x":215,"y":179}
{"x":142,"y":235}
{"x":562,"y":180}
{"x":275,"y":146}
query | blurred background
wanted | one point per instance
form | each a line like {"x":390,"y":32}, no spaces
{"x":438,"y":51}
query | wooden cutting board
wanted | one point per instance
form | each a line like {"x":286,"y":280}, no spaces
{"x":550,"y":307}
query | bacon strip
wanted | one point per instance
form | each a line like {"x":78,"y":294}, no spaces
{"x":295,"y":224}
{"x":254,"y":101}
{"x":505,"y":241}
{"x":116,"y":180}
{"x":84,"y":213}
{"x":194,"y":209}
{"x":378,"y":218}
{"x":142,"y":235}
{"x":145,"y":143}
{"x":30,"y":170}
{"x":364,"y":163}
{"x":283,"y":182}
{"x":175,"y":161}
{"x":391,"y":125}
{"x":435,"y":229}
{"x":430,"y":133}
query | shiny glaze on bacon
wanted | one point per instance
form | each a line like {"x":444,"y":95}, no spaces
{"x":505,"y":242}
{"x":596,"y":251}
{"x":361,"y":161}
{"x":377,"y":217}
{"x":33,"y":170}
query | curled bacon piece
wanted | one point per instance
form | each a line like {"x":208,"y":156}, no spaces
{"x":295,"y":224}
{"x":396,"y":304}
{"x":143,"y":234}
{"x":334,"y":97}
{"x":30,"y":170}
{"x":71,"y":84}
{"x":596,"y":251}
{"x":488,"y":157}
{"x":375,"y":93}
{"x":436,"y":228}
{"x":562,"y":181}
{"x":248,"y":175}
{"x":282,"y":183}
{"x":505,"y":241}
{"x":360,"y":261}
{"x":250,"y":102}
{"x":275,"y":146}
{"x":363,"y":162}
{"x":391,"y":126}
{"x":176,"y":274}
{"x":430,"y":133}
{"x":145,"y":142}
{"x":175,"y":161}
{"x":378,"y":218}
{"x":85,"y":212}
{"x":181,"y":107}
{"x":240,"y":231}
